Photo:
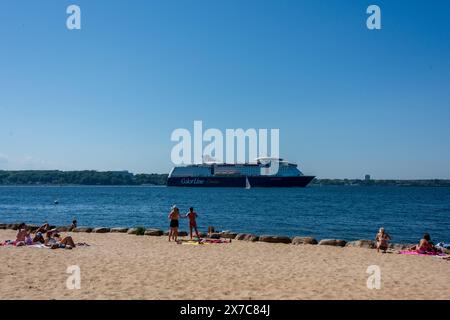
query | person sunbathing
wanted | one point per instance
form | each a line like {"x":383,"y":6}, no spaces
{"x":23,"y":235}
{"x":44,"y":228}
{"x":425,"y":245}
{"x":56,"y":242}
{"x":382,"y":239}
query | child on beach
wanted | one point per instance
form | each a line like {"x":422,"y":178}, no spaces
{"x":382,"y":240}
{"x":174,"y":215}
{"x":192,"y":215}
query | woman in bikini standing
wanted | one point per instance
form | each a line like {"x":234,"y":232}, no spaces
{"x":174,"y":215}
{"x":382,"y":240}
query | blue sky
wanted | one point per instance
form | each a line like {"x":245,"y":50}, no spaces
{"x":348,"y":101}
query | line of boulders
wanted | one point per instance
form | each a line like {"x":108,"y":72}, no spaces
{"x":370,"y":244}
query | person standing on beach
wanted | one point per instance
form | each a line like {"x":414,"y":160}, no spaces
{"x":174,"y":216}
{"x":192,"y":215}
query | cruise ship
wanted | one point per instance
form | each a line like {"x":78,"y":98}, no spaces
{"x":245,"y":175}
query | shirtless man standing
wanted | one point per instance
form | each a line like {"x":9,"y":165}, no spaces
{"x":192,"y":215}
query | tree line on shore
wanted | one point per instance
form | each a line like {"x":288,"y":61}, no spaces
{"x":88,"y":177}
{"x":125,"y":178}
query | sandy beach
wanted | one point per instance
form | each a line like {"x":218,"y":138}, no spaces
{"x":122,"y":266}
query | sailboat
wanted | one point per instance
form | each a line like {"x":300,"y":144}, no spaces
{"x":247,"y":183}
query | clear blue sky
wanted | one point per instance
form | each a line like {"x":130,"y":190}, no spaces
{"x":348,"y":101}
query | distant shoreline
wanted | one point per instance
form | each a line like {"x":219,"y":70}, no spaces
{"x":125,"y":178}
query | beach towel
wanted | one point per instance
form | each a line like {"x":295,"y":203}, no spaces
{"x":415,"y":253}
{"x":203,"y":241}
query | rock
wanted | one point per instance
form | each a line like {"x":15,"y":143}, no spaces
{"x":132,"y":231}
{"x":3,"y":226}
{"x":251,"y":237}
{"x":180,"y":233}
{"x":154,"y":232}
{"x":214,"y":235}
{"x":119,"y":230}
{"x":13,"y":226}
{"x":304,"y":240}
{"x":32,"y":227}
{"x":83,"y":229}
{"x":228,"y":235}
{"x":101,"y":230}
{"x":333,"y":242}
{"x":400,"y":246}
{"x":240,"y":236}
{"x":369,"y":244}
{"x":275,"y":239}
{"x":246,"y":237}
{"x":62,"y":229}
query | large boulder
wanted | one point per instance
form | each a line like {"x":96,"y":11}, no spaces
{"x":101,"y":230}
{"x":369,"y":244}
{"x":251,"y":237}
{"x":32,"y":227}
{"x":214,"y":235}
{"x":180,"y":233}
{"x":247,"y":237}
{"x":228,"y":235}
{"x":133,"y":231}
{"x":119,"y":230}
{"x":13,"y":226}
{"x":304,"y":240}
{"x":240,"y":236}
{"x":400,"y":246}
{"x":82,"y":229}
{"x":275,"y":239}
{"x":154,"y":232}
{"x":3,"y":226}
{"x":333,"y":242}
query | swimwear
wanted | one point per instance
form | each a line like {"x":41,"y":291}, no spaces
{"x":192,"y":221}
{"x":174,"y":223}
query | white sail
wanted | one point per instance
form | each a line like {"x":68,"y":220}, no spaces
{"x":247,"y":183}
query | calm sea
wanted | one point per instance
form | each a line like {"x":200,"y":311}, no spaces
{"x":323,"y":212}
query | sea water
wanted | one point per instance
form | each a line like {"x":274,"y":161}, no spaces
{"x":349,"y":213}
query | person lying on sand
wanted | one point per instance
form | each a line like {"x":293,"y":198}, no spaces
{"x":382,"y":239}
{"x":44,"y":228}
{"x":56,"y":242}
{"x":174,"y":215}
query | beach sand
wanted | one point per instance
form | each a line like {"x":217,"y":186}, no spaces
{"x":122,"y":266}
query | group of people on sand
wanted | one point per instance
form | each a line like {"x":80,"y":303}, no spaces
{"x":174,"y":217}
{"x":425,"y":245}
{"x":43,"y":235}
